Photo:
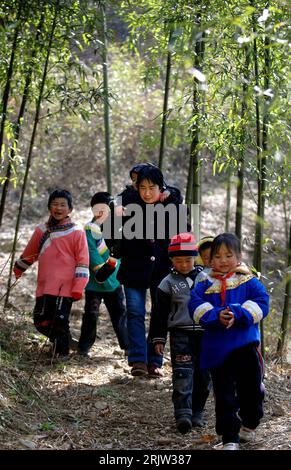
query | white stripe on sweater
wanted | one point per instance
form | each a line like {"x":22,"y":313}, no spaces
{"x":82,"y":271}
{"x":59,"y":234}
{"x":254,"y":309}
{"x":201,"y":310}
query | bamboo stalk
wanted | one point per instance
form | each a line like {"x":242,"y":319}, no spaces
{"x":28,"y":162}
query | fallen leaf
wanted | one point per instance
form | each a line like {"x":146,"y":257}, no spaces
{"x":164,"y":441}
{"x":205,"y":438}
{"x":28,"y":444}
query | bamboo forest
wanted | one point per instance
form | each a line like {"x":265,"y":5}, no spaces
{"x":145,"y":236}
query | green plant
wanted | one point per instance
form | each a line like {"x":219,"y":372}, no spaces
{"x":48,"y":426}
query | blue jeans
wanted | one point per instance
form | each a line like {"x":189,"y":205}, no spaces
{"x":191,"y":384}
{"x":140,"y":349}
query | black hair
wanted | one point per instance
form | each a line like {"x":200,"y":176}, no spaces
{"x":151,"y":173}
{"x":139,"y":166}
{"x":102,"y":198}
{"x":61,"y":193}
{"x":204,"y":246}
{"x":205,"y":243}
{"x":230,"y":240}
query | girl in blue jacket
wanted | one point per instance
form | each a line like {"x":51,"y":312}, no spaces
{"x":229,"y":304}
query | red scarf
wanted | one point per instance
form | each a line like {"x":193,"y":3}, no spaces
{"x":222,"y":278}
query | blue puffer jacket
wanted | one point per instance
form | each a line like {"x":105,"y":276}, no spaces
{"x":246,"y":297}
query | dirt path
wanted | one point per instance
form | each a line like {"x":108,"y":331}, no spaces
{"x":96,"y":404}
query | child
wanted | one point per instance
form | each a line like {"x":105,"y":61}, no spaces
{"x":60,"y":248}
{"x":190,"y":383}
{"x":103,"y":283}
{"x":229,"y":304}
{"x":204,"y":249}
{"x":130,"y":193}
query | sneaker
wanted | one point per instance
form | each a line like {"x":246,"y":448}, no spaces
{"x":139,"y":369}
{"x":184,"y":425}
{"x":155,"y":372}
{"x":230,"y":446}
{"x":197,"y":421}
{"x":218,"y":446}
{"x":246,"y":434}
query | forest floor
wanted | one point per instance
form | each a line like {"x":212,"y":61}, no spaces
{"x":95,"y":403}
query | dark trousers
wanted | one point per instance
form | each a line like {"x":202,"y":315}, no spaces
{"x":239,"y":393}
{"x":191,"y":384}
{"x":115,"y":304}
{"x":51,"y":318}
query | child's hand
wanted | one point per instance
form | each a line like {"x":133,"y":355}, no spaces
{"x":112,"y":262}
{"x":164,"y":195}
{"x":226,"y":318}
{"x":76,"y":295}
{"x":159,"y":348}
{"x":103,"y":273}
{"x":17,"y":272}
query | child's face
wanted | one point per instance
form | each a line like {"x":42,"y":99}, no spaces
{"x":149,"y":191}
{"x":205,"y":256}
{"x":183,"y":264}
{"x":59,"y":208}
{"x":134,"y":179}
{"x":101,"y":212}
{"x":224,"y":260}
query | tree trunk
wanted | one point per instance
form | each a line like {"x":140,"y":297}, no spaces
{"x":285,"y":316}
{"x":286,"y":218}
{"x":229,"y":171}
{"x":165,"y":106}
{"x":6,"y":92}
{"x":106,"y":99}
{"x":19,"y":120}
{"x":266,"y":73}
{"x":241,"y":162}
{"x":257,"y":259}
{"x":28,"y":162}
{"x":228,"y":194}
{"x":194,"y":180}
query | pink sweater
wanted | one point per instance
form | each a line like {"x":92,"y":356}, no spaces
{"x":62,"y":261}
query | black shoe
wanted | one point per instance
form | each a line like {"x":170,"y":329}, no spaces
{"x":84,"y":353}
{"x":73,"y":343}
{"x":60,"y":358}
{"x":184,"y":425}
{"x":197,"y":421}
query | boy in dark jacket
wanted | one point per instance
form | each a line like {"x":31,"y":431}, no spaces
{"x":190,"y":383}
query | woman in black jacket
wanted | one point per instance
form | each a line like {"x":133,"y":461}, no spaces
{"x":144,"y":260}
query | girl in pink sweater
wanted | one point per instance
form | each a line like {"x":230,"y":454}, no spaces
{"x":60,"y":247}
